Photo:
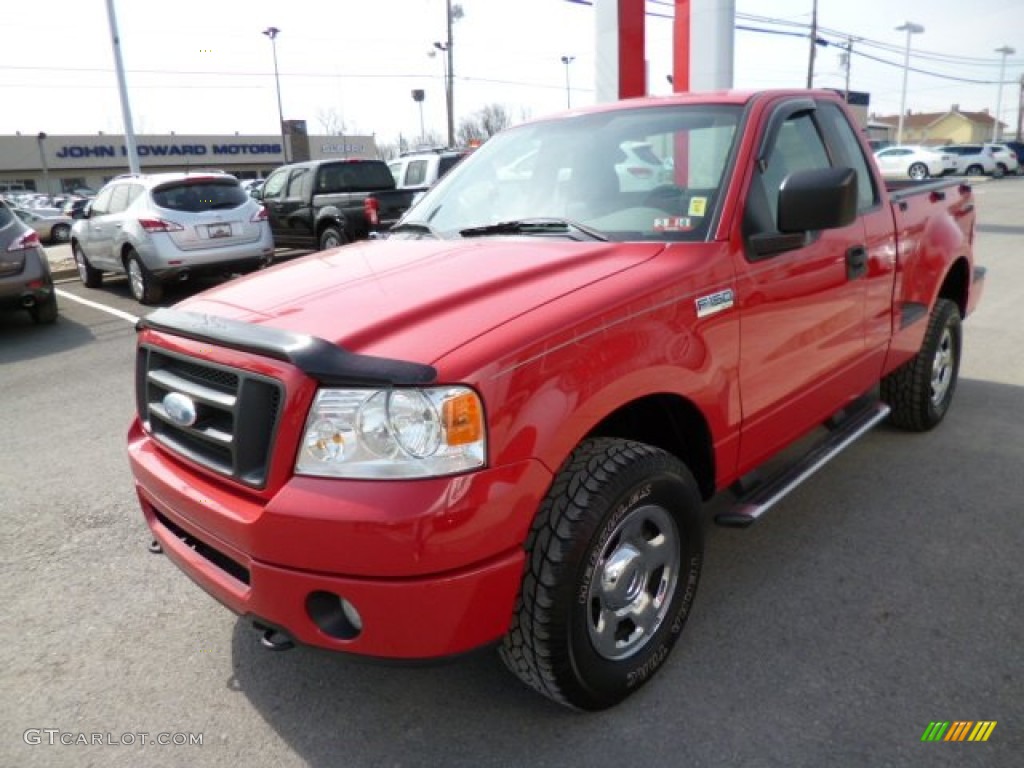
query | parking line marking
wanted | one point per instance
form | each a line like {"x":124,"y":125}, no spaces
{"x":96,"y":305}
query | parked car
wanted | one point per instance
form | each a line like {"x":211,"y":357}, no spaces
{"x":326,"y":203}
{"x":1006,"y":158}
{"x":971,"y":159}
{"x":170,"y":226}
{"x":419,"y":170}
{"x":1017,"y":147}
{"x":75,"y":208}
{"x":912,"y":161}
{"x":498,"y":425}
{"x":25,"y":280}
{"x":640,"y":168}
{"x":51,"y":227}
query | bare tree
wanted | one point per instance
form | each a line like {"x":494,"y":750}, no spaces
{"x":483,"y":124}
{"x":332,"y":121}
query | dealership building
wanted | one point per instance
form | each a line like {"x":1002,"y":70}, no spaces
{"x":60,"y":164}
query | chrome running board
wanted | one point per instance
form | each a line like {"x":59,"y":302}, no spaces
{"x":858,"y":419}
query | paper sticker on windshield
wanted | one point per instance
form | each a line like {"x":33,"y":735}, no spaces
{"x":673,"y":224}
{"x":697,"y":206}
{"x":715,"y":302}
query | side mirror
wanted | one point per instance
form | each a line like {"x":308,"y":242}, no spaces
{"x":256,"y":194}
{"x":824,"y":198}
{"x":86,"y":210}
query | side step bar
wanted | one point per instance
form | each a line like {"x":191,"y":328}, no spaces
{"x":859,"y":418}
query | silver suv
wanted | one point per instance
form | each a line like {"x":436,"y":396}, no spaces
{"x":170,"y":226}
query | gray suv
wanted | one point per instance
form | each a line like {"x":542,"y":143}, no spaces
{"x":25,"y":281}
{"x":165,"y":227}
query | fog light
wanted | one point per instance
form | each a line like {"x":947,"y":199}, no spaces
{"x":334,"y":615}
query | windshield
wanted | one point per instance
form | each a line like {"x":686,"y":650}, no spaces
{"x":641,"y":174}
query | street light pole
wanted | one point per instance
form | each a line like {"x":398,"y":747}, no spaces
{"x":272,"y":33}
{"x":1005,"y":51}
{"x":911,"y":29}
{"x":567,"y":60}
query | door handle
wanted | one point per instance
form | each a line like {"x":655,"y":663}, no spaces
{"x":856,"y":262}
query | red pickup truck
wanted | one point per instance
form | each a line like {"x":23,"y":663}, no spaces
{"x":498,"y":425}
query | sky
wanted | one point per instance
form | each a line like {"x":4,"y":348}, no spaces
{"x":203,"y":66}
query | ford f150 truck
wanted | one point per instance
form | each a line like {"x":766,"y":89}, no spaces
{"x":322,"y":204}
{"x":498,"y":425}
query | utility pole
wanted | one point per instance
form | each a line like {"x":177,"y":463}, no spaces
{"x":814,"y":44}
{"x":451,"y":78}
{"x":1005,"y":51}
{"x":1020,"y":110}
{"x":849,"y":62}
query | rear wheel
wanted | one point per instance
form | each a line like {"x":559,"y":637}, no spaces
{"x":89,"y":275}
{"x":146,"y":289}
{"x":45,"y":312}
{"x":918,"y":171}
{"x":332,"y":237}
{"x":614,"y":558}
{"x":920,"y":391}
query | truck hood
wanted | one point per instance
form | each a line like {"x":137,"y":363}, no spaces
{"x":416,"y":300}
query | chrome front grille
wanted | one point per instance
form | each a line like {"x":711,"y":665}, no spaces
{"x":236,"y":413}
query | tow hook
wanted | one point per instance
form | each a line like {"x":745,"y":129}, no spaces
{"x":275,"y":640}
{"x":155,"y":548}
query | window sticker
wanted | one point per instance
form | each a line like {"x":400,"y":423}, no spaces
{"x":697,"y":206}
{"x":673,"y":224}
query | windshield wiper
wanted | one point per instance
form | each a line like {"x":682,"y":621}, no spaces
{"x":542,"y":226}
{"x":416,"y":226}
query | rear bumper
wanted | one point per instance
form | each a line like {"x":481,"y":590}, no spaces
{"x":269,"y":559}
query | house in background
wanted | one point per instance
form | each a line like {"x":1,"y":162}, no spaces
{"x":952,"y":127}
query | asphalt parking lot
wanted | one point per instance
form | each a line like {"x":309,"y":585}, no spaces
{"x":884,"y":594}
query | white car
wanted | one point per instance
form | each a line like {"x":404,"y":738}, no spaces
{"x":1006,"y":159}
{"x":972,"y":159}
{"x":912,"y":162}
{"x":640,"y":169}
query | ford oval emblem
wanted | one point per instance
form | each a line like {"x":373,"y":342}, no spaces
{"x":180,"y":409}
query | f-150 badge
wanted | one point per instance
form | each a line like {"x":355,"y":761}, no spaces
{"x":715,"y":302}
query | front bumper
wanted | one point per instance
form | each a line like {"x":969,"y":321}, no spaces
{"x":433,"y":568}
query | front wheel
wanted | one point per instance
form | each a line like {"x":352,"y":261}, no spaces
{"x":975,"y":170}
{"x":918,"y":171}
{"x":146,"y":289}
{"x":613,"y":561}
{"x":921,"y":390}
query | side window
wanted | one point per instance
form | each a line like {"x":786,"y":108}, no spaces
{"x":274,"y":186}
{"x":396,"y":171}
{"x":299,"y":182}
{"x":798,"y":147}
{"x":101,"y":204}
{"x":851,"y":154}
{"x":119,"y":198}
{"x":416,"y":172}
{"x":134,"y":190}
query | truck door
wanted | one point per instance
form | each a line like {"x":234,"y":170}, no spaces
{"x":272,"y":196}
{"x":801,"y":309}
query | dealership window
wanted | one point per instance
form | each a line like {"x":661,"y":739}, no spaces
{"x":73,"y":183}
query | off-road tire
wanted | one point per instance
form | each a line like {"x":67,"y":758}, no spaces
{"x":609,"y":495}
{"x":87,"y":273}
{"x":921,"y":390}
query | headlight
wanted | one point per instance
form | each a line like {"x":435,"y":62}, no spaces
{"x":374,"y":433}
